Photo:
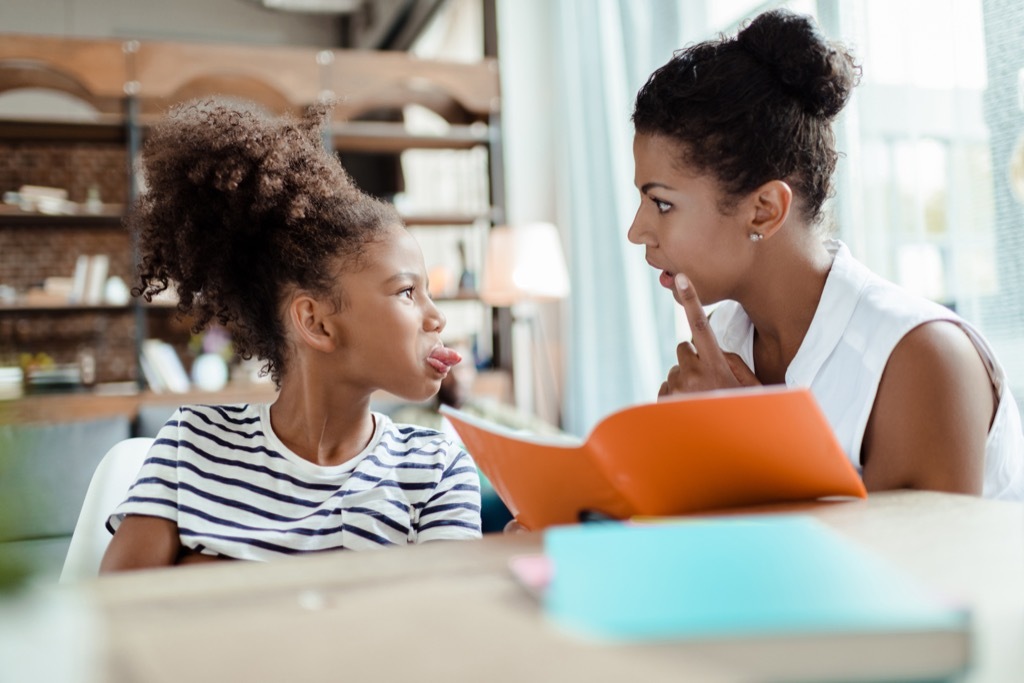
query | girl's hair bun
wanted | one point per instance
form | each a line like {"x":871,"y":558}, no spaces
{"x":818,"y":73}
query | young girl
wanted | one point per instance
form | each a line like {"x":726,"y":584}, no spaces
{"x":734,"y":154}
{"x":258,"y":226}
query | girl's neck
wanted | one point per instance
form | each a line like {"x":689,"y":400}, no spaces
{"x":321,"y":424}
{"x":783,"y":310}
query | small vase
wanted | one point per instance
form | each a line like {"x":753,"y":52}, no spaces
{"x":209,"y":372}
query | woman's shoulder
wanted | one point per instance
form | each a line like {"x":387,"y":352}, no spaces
{"x":877,"y":298}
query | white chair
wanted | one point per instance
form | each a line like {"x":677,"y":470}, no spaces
{"x":107,"y":488}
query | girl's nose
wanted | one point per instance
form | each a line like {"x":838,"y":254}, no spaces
{"x":435,"y":320}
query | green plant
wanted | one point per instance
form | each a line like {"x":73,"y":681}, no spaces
{"x":14,"y":571}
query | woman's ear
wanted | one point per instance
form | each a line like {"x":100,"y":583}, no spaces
{"x":771,"y":205}
{"x":309,"y":319}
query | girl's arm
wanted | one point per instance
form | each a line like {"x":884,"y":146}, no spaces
{"x":931,"y":416}
{"x":141,"y":542}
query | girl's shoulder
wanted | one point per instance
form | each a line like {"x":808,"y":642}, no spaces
{"x":225,"y":413}
{"x":239,"y":422}
{"x":412,"y":439}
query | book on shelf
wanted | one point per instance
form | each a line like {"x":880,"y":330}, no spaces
{"x":99,"y":266}
{"x":694,"y":453}
{"x":79,"y":279}
{"x":89,"y":280}
{"x":162,"y":368}
{"x":782,"y":597}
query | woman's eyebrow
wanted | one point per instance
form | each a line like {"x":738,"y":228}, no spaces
{"x":647,"y":187}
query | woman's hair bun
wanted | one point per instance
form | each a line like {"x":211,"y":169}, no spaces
{"x":814,"y":70}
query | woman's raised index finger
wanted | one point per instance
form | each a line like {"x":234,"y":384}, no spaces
{"x":704,"y":339}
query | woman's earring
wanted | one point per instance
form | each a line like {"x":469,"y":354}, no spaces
{"x":756,"y":237}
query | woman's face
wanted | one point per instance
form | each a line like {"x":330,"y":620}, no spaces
{"x":680,"y":224}
{"x":390,"y":328}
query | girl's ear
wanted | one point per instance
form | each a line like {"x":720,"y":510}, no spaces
{"x":309,"y":318}
{"x":771,"y":204}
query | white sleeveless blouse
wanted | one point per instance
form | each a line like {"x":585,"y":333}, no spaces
{"x":860,"y":319}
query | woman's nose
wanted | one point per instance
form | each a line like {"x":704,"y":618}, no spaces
{"x":637,"y":233}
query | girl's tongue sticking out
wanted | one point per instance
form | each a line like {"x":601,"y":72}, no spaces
{"x":443,"y":358}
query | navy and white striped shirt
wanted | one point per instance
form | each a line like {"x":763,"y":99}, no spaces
{"x":234,"y":489}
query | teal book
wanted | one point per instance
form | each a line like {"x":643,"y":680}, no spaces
{"x":784,"y":594}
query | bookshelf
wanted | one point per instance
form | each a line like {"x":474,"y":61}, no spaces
{"x":127,"y":84}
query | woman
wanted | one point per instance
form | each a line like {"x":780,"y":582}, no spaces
{"x":734,"y":155}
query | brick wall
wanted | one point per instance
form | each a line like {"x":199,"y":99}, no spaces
{"x":30,"y":253}
{"x":74,"y":166}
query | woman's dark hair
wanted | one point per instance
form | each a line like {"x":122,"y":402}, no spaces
{"x":241,"y":208}
{"x":756,"y":107}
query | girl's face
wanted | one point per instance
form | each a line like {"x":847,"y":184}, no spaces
{"x":680,"y":224}
{"x":388,"y":324}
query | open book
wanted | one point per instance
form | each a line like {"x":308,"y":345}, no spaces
{"x":700,"y":452}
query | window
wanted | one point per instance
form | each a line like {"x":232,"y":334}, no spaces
{"x":924,"y":193}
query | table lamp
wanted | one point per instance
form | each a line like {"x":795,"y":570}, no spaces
{"x":524,"y":265}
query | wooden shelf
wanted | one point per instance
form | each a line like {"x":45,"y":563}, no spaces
{"x":443,"y":220}
{"x":110,"y":129}
{"x":71,"y":309}
{"x":29,"y":308}
{"x":87,"y":405}
{"x":373,"y":136}
{"x":353,"y":136}
{"x":11,"y":216}
{"x":459,"y":296}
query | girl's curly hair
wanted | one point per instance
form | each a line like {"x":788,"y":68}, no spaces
{"x":241,"y":208}
{"x":756,"y":107}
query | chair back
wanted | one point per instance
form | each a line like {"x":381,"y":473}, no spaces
{"x":107,"y":489}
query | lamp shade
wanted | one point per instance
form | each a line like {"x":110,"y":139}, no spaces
{"x":524,"y":263}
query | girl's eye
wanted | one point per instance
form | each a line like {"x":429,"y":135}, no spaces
{"x":407,"y":292}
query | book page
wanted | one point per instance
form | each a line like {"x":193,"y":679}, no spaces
{"x":543,"y":480}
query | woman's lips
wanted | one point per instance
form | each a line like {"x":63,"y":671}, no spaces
{"x":442,"y":359}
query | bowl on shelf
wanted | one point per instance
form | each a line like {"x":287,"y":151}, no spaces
{"x":56,"y":378}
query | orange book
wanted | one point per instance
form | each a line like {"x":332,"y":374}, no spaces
{"x":700,"y":452}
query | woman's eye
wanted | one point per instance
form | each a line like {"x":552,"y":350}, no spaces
{"x":662,"y":207}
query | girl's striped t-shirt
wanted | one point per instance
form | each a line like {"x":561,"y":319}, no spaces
{"x":234,"y":490}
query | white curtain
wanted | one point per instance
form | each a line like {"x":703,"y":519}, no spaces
{"x":620,"y":330}
{"x":618,"y":327}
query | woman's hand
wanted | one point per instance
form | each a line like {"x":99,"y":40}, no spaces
{"x":514,"y":527}
{"x":702,"y":363}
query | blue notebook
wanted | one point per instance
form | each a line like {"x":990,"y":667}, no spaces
{"x":730,"y":576}
{"x":780,"y":581}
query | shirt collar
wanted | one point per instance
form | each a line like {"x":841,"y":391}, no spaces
{"x":843,"y":286}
